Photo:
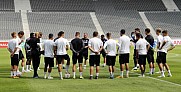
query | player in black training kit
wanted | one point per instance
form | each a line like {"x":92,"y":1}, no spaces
{"x":77,"y":47}
{"x":103,"y":39}
{"x":150,"y":54}
{"x":85,"y":50}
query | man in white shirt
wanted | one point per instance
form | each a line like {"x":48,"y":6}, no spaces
{"x":21,"y":56}
{"x":14,"y":51}
{"x":60,"y":50}
{"x":110,"y":49}
{"x":95,"y":46}
{"x":48,"y":56}
{"x":142,"y":47}
{"x":167,"y":45}
{"x":124,"y":50}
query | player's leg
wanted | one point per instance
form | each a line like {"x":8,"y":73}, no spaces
{"x":74,"y":59}
{"x":51,"y":64}
{"x":109,"y":66}
{"x":166,"y":65}
{"x":121,"y":62}
{"x":60,"y":59}
{"x":127,"y":64}
{"x":45,"y":67}
{"x":21,"y":57}
{"x":160,"y":63}
{"x":97,"y":62}
{"x":85,"y":55}
{"x":91,"y":63}
{"x":68,"y":63}
{"x":80,"y":61}
{"x":141,"y":63}
{"x":136,"y":65}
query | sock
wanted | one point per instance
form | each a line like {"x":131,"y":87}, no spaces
{"x":127,"y":72}
{"x":151,"y":70}
{"x":80,"y":74}
{"x":137,"y":65}
{"x":63,"y":65}
{"x":15,"y":73}
{"x":18,"y":70}
{"x":27,"y":67}
{"x":23,"y":68}
{"x":162,"y":73}
{"x":60,"y":73}
{"x":121,"y":74}
{"x":67,"y":68}
{"x":91,"y":75}
{"x":97,"y":74}
{"x":73,"y":74}
{"x":11,"y":73}
{"x":44,"y":73}
{"x":111,"y":74}
{"x":169,"y":72}
{"x":84,"y":65}
{"x":49,"y":74}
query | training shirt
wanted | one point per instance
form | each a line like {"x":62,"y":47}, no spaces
{"x":12,"y":44}
{"x":96,"y":44}
{"x":86,"y":42}
{"x":77,"y":45}
{"x":61,"y":44}
{"x":48,"y":48}
{"x":141,"y":46}
{"x":110,"y":47}
{"x":159,"y":40}
{"x":169,"y":43}
{"x":124,"y":43}
{"x":150,"y":40}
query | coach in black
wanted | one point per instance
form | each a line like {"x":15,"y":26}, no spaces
{"x":77,"y":47}
{"x":150,"y":54}
{"x":35,"y":54}
{"x":85,"y":50}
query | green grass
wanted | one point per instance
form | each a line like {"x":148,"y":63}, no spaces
{"x":103,"y":84}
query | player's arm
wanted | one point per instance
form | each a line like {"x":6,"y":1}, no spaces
{"x":164,"y":42}
{"x":172,"y":47}
{"x":72,"y":48}
{"x":90,"y":47}
{"x":83,"y":46}
{"x":12,"y":54}
{"x":137,"y":49}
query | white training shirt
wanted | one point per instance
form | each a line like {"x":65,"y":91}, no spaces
{"x":169,"y":43}
{"x":141,"y":46}
{"x":61,"y":44}
{"x":159,"y":40}
{"x":124,"y":43}
{"x":110,"y":47}
{"x":41,"y":44}
{"x":19,"y":40}
{"x":95,"y":43}
{"x":48,"y":48}
{"x":12,"y":44}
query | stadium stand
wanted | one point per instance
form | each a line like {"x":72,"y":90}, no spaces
{"x":166,"y":20}
{"x":9,"y":22}
{"x":53,"y":22}
{"x":178,"y":3}
{"x":6,"y":5}
{"x":114,"y":22}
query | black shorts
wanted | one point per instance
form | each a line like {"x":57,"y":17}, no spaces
{"x":150,"y":56}
{"x":21,"y":56}
{"x":15,"y":60}
{"x":142,"y":59}
{"x":110,"y":60}
{"x":103,"y":53}
{"x":67,"y":57}
{"x":75,"y":58}
{"x":60,"y":58}
{"x":85,"y":55}
{"x":124,"y":58}
{"x":94,"y":59}
{"x":161,"y":57}
{"x":49,"y":62}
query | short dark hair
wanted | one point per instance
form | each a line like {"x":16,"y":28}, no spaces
{"x":60,"y":33}
{"x":21,"y":32}
{"x":165,"y":31}
{"x":50,"y":35}
{"x":77,"y":33}
{"x":13,"y":33}
{"x":40,"y":33}
{"x":122,"y":31}
{"x":95,"y":33}
{"x":158,"y":30}
{"x":137,"y":29}
{"x":138,"y":35}
{"x":147,"y":30}
{"x":108,"y":34}
{"x":32,"y":35}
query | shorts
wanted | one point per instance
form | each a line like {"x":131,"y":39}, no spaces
{"x":150,"y":56}
{"x":124,"y":58}
{"x":21,"y":56}
{"x":49,"y":62}
{"x":103,"y":53}
{"x":79,"y":58}
{"x":142,"y":59}
{"x":85,"y":55}
{"x":67,"y":57}
{"x":15,"y":60}
{"x":110,"y":60}
{"x":161,"y":57}
{"x":94,"y":59}
{"x":60,"y":58}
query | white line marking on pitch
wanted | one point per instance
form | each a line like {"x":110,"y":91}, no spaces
{"x":156,"y":79}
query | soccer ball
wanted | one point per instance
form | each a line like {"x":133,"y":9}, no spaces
{"x":19,"y":74}
{"x":67,"y":76}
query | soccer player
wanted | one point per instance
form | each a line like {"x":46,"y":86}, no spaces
{"x":166,"y":46}
{"x":21,"y":56}
{"x":77,"y":47}
{"x":150,"y":54}
{"x":110,"y":49}
{"x":85,"y":50}
{"x":48,"y":56}
{"x":14,"y":51}
{"x":28,"y":53}
{"x":103,"y":39}
{"x":95,"y":46}
{"x":35,"y":53}
{"x":66,"y":58}
{"x":136,"y":65}
{"x":40,"y":44}
{"x":60,"y":50}
{"x":142,"y":46}
{"x":124,"y":51}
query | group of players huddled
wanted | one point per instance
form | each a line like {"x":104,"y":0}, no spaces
{"x":109,"y":48}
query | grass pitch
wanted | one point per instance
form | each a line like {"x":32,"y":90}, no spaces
{"x":27,"y":84}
